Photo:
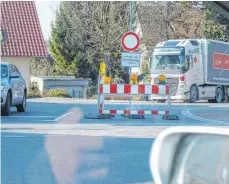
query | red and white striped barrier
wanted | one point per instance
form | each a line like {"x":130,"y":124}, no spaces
{"x":140,"y":89}
{"x":134,"y":112}
{"x":128,"y":89}
{"x":101,"y":97}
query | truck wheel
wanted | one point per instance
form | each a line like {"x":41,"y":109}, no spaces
{"x":6,"y":109}
{"x":22,"y":107}
{"x":219,"y":95}
{"x":193,"y":94}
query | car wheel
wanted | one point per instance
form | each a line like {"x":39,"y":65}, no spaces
{"x":6,"y":109}
{"x":219,"y":95}
{"x":211,"y":101}
{"x":161,"y":101}
{"x":22,"y":107}
{"x":193,"y":94}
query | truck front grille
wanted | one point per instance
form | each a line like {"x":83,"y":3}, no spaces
{"x":173,"y":80}
{"x":173,"y":83}
{"x":173,"y":89}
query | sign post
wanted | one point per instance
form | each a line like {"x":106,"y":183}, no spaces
{"x":130,"y":59}
{"x":130,"y":42}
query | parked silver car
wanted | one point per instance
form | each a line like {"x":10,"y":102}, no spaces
{"x":13,"y":89}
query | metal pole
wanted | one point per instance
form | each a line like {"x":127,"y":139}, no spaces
{"x":129,"y":95}
{"x":169,"y":98}
{"x":131,"y":8}
{"x":98,"y":96}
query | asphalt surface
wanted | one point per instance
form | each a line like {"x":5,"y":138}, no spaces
{"x":53,"y":143}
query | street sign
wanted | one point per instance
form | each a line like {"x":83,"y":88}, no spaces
{"x":130,"y":41}
{"x":130,"y":59}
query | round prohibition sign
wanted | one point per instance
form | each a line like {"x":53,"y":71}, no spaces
{"x":130,"y":41}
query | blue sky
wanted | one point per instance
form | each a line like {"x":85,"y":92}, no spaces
{"x":46,"y":13}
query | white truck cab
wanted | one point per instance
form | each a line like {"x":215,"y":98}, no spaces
{"x":195,"y":69}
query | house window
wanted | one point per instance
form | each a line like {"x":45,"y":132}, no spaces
{"x":3,"y":36}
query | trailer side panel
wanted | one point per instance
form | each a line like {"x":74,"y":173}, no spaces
{"x":217,"y":62}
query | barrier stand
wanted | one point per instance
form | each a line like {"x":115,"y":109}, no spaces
{"x":134,"y":80}
{"x":170,"y":116}
{"x":100,"y":97}
{"x":128,"y":89}
{"x":162,"y":81}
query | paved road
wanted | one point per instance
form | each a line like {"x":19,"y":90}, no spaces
{"x":52,"y":143}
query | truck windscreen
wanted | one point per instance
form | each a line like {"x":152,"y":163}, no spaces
{"x":168,"y":57}
{"x":168,"y":60}
{"x":173,"y":61}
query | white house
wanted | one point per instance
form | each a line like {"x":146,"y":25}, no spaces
{"x":21,"y":35}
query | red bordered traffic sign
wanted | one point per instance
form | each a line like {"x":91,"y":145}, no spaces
{"x":130,"y":41}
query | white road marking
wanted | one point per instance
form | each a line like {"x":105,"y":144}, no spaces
{"x":85,"y":130}
{"x":60,"y":117}
{"x":149,"y":182}
{"x":187,"y":113}
{"x":5,"y":117}
{"x":13,"y":136}
{"x":221,"y":105}
{"x":49,"y":120}
{"x":51,"y":126}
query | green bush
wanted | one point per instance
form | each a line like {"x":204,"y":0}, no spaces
{"x":33,"y":90}
{"x":56,"y":93}
{"x":118,"y":81}
{"x":94,"y":97}
{"x":33,"y":94}
{"x":91,"y":90}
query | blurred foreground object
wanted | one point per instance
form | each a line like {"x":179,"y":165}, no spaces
{"x":188,"y":155}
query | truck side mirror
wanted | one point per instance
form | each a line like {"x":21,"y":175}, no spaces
{"x":150,"y":63}
{"x":186,"y":62}
{"x":14,"y":75}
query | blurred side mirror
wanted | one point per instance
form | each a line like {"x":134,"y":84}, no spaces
{"x":150,"y":63}
{"x":187,"y":155}
{"x":14,"y":75}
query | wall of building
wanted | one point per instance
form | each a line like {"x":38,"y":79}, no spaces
{"x":22,"y":63}
{"x":75,"y":87}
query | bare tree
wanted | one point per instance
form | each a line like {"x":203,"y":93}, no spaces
{"x":168,"y":20}
{"x":97,"y":27}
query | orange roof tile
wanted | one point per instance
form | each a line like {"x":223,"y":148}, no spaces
{"x":20,"y":24}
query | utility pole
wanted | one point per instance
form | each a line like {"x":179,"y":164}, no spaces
{"x":131,"y":18}
{"x":131,"y":28}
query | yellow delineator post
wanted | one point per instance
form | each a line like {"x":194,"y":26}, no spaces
{"x":133,"y":80}
{"x":101,"y":98}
